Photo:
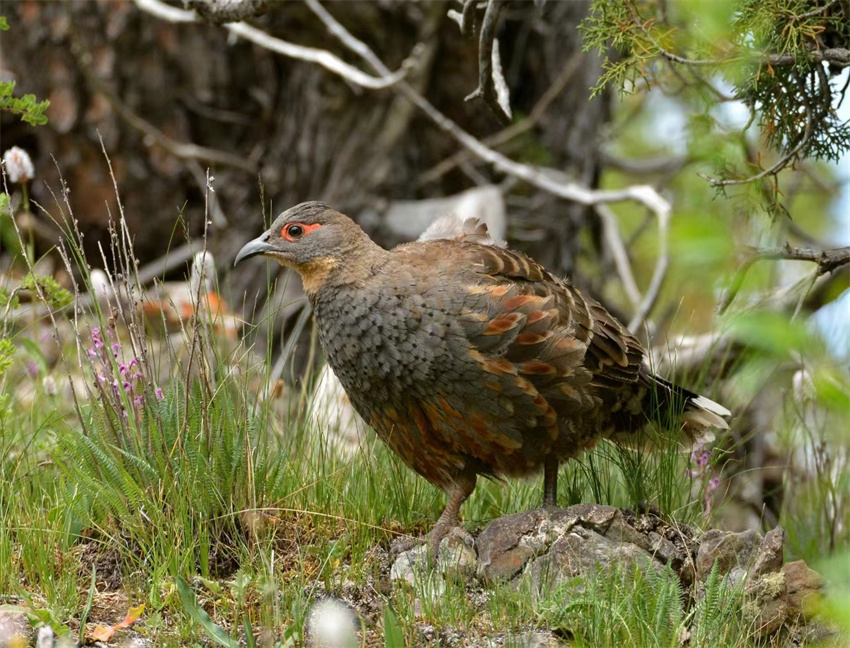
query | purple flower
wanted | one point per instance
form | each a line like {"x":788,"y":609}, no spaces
{"x":134,"y":362}
{"x":158,"y":393}
{"x":137,"y":376}
{"x":122,"y":369}
{"x":138,"y":401}
{"x":92,"y":353}
{"x":126,"y":386}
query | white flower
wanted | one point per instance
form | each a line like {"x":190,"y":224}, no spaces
{"x":49,"y":385}
{"x":19,"y":165}
{"x":331,"y":624}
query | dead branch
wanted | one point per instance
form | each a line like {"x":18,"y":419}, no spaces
{"x":491,"y":81}
{"x":465,"y":18}
{"x":227,"y":11}
{"x":299,"y":52}
{"x":514,"y":130}
{"x":617,"y":248}
{"x":827,"y":261}
{"x":837,"y":56}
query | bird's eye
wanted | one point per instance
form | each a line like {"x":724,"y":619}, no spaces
{"x":294,"y":231}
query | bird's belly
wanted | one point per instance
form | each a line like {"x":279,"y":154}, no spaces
{"x":430,"y":398}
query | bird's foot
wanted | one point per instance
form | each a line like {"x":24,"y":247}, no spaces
{"x":433,"y":541}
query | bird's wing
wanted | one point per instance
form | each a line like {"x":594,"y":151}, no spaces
{"x":520,"y":289}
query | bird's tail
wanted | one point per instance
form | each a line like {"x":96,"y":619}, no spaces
{"x":697,"y":416}
{"x":669,"y":408}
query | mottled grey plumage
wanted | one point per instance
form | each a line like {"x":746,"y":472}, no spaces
{"x":468,"y":358}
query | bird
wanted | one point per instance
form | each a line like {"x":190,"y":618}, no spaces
{"x":470,"y":359}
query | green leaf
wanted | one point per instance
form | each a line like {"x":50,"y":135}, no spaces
{"x":4,"y":26}
{"x":87,"y":609}
{"x":249,"y":632}
{"x":393,"y":634}
{"x":199,"y":616}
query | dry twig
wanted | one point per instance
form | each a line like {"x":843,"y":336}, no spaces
{"x":309,"y":54}
{"x":491,"y":81}
{"x":827,"y":261}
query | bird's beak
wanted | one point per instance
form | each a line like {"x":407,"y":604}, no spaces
{"x":257,"y":246}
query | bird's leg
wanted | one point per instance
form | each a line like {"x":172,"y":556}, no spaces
{"x":550,"y":481}
{"x":462,"y":488}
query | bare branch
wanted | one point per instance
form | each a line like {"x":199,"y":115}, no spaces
{"x":227,"y":11}
{"x":465,"y":18}
{"x":837,"y":56}
{"x":299,"y":52}
{"x":491,"y":83}
{"x":816,"y":11}
{"x":827,"y":261}
{"x":611,"y":232}
{"x":318,"y":56}
{"x":514,"y":130}
{"x":166,"y":12}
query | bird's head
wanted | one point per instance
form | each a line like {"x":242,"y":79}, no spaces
{"x":311,"y":238}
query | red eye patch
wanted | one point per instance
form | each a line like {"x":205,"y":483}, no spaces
{"x":293,"y":231}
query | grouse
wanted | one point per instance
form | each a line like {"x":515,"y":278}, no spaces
{"x":471,"y":359}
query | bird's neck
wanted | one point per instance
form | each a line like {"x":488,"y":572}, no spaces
{"x":351,"y":268}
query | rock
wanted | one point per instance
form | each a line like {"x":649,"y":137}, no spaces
{"x":581,"y":552}
{"x":769,"y":555}
{"x":665,"y":551}
{"x":15,"y":630}
{"x":532,"y":639}
{"x":45,"y":637}
{"x":456,"y":557}
{"x":804,"y":587}
{"x":331,"y":408}
{"x":727,"y":549}
{"x":134,"y":642}
{"x":766,"y":604}
{"x":507,"y":544}
{"x":556,"y":544}
{"x":619,"y":530}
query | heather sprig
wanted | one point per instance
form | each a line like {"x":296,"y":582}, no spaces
{"x":701,"y":468}
{"x":119,"y":380}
